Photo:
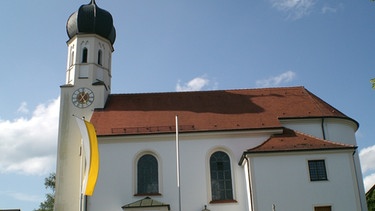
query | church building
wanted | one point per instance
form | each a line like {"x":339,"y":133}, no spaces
{"x":262,"y":149}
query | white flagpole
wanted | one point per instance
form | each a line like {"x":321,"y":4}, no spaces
{"x":178,"y":165}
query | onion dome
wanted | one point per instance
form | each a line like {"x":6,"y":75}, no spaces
{"x":90,"y":19}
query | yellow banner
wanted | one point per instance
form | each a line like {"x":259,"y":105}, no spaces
{"x":90,"y":147}
{"x":94,"y":159}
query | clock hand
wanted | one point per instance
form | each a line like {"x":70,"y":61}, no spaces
{"x":82,"y":97}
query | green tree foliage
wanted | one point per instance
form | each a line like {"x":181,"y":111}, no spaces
{"x":49,"y":183}
{"x":373,"y":80}
{"x":370,"y":198}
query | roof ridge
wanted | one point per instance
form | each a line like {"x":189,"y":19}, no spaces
{"x":324,"y":140}
{"x":287,"y":134}
{"x":319,"y":101}
{"x":213,"y":90}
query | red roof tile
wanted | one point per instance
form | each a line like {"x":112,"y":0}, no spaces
{"x":207,"y":110}
{"x":291,"y":140}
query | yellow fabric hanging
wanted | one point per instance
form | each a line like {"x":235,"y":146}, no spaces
{"x":90,"y":147}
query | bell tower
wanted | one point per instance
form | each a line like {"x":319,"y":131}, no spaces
{"x":91,"y":37}
{"x":88,"y":83}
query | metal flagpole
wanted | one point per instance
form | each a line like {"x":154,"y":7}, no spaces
{"x":80,"y":178}
{"x":178,"y":165}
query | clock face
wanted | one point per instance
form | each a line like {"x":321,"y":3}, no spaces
{"x":82,"y":97}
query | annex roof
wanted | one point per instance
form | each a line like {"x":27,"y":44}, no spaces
{"x":220,"y":110}
{"x":291,"y":140}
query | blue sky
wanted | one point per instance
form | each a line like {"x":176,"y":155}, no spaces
{"x":328,"y":46}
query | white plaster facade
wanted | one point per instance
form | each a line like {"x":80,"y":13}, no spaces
{"x":263,"y":181}
{"x":282,"y":180}
{"x":118,"y":156}
{"x":337,"y":130}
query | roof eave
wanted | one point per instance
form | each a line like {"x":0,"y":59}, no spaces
{"x":353,"y":148}
{"x":244,"y":154}
{"x":274,"y":130}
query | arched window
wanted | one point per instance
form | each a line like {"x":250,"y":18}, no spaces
{"x":221,"y":177}
{"x":71,"y":58}
{"x":100,"y":57}
{"x":84,"y":55}
{"x":147,"y":175}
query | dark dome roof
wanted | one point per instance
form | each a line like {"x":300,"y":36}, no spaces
{"x":90,"y":19}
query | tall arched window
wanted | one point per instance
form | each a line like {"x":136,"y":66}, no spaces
{"x":147,"y":175}
{"x":221,"y":177}
{"x":84,"y":55}
{"x":100,"y":57}
{"x":71,"y":61}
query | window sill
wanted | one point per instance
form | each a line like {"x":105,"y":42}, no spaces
{"x":147,"y":194}
{"x":319,"y":180}
{"x":223,"y":201}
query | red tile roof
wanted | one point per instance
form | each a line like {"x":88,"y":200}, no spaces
{"x":291,"y":140}
{"x":207,"y":110}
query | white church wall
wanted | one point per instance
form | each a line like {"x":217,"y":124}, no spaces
{"x":339,"y":130}
{"x":335,"y":129}
{"x":117,"y":178}
{"x":308,"y":126}
{"x":283,"y":181}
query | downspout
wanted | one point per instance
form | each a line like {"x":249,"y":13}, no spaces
{"x":249,"y":180}
{"x":323,"y":130}
{"x":356,"y":180}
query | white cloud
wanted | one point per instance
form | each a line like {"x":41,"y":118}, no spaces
{"x":332,"y":9}
{"x":277,"y":80}
{"x":22,"y":196}
{"x":28,"y":145}
{"x":328,"y":9}
{"x":195,"y":84}
{"x":295,"y":9}
{"x":367,"y":157}
{"x":369,"y":181}
{"x":23,"y":108}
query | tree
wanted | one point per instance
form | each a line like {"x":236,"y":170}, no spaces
{"x":49,"y":183}
{"x":373,"y":80}
{"x":370,"y":198}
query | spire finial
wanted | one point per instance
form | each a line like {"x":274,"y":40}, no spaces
{"x":93,"y":2}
